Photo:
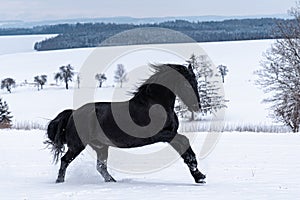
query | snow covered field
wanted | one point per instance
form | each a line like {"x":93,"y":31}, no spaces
{"x":242,"y":59}
{"x":243,"y":166}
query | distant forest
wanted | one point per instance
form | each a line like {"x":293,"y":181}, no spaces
{"x":94,"y":34}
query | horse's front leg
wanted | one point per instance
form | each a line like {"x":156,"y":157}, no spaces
{"x":182,"y":145}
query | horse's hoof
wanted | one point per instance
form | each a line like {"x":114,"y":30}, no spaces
{"x":202,"y":176}
{"x":199,"y":177}
{"x":59,"y":181}
{"x":201,"y":181}
{"x":111,"y":180}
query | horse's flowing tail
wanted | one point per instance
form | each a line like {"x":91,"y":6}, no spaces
{"x":56,"y":133}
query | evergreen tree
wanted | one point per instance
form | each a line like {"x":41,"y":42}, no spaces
{"x":207,"y":86}
{"x":120,"y":75}
{"x":100,"y":78}
{"x":8,"y":83}
{"x":210,"y":98}
{"x":5,"y":117}
{"x":40,"y":81}
{"x":65,"y":74}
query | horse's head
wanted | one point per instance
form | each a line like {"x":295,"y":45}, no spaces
{"x":177,"y":79}
{"x":187,"y":89}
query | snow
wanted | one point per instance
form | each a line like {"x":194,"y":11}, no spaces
{"x":24,"y":66}
{"x":22,"y":43}
{"x":242,"y":59}
{"x":242,"y":166}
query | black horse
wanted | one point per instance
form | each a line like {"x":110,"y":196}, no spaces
{"x":95,"y":124}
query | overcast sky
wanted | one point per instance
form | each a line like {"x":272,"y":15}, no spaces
{"x":29,"y":10}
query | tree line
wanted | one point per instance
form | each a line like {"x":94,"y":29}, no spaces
{"x":92,"y":34}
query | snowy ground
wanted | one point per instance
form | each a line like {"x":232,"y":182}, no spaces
{"x":243,"y":166}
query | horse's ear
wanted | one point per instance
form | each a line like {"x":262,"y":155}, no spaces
{"x":190,"y":67}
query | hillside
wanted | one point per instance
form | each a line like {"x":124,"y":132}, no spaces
{"x":92,"y":35}
{"x":242,"y":59}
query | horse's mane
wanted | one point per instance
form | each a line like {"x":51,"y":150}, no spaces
{"x":160,"y":72}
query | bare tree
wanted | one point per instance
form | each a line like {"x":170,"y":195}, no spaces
{"x":223,"y":70}
{"x":279,"y":75}
{"x":65,"y":74}
{"x":100,"y":78}
{"x":8,"y":83}
{"x":120,"y":75}
{"x":40,"y":81}
{"x":78,"y":80}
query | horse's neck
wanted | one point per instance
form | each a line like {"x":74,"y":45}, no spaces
{"x":156,"y":95}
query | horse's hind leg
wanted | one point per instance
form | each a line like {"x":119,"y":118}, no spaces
{"x":65,"y":161}
{"x":182,"y":145}
{"x":102,"y":154}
